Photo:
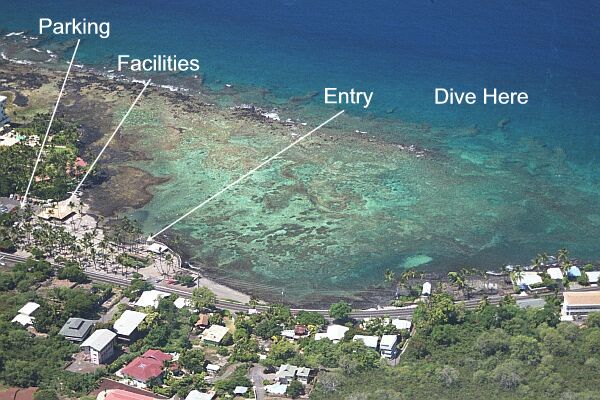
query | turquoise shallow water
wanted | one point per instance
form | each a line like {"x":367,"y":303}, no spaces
{"x":332,"y":219}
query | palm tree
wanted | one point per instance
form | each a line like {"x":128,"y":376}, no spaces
{"x":389,"y":276}
{"x":563,"y":255}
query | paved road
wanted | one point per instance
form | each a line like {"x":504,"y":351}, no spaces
{"x":394,"y":312}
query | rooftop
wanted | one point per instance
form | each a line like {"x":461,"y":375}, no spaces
{"x":582,"y":298}
{"x":99,"y":339}
{"x":119,"y":394}
{"x":555,"y":273}
{"x":196,"y":395}
{"x":215,"y":333}
{"x":29,"y":308}
{"x":151,"y":298}
{"x":128,"y":322}
{"x":146,"y":367}
{"x":76,"y":328}
{"x":388,"y":341}
{"x":369,"y":341}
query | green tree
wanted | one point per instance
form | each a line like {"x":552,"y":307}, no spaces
{"x":340,"y":311}
{"x":310,"y":318}
{"x":267,"y":328}
{"x":45,"y":394}
{"x":295,"y":389}
{"x":203,"y":298}
{"x":193,"y":360}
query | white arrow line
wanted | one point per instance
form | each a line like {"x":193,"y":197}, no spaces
{"x":39,"y":156}
{"x":246,"y":175}
{"x":109,"y":140}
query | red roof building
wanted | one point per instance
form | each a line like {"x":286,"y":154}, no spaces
{"x":118,"y":394}
{"x":149,"y":365}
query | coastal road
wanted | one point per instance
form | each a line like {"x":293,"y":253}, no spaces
{"x":392,"y":312}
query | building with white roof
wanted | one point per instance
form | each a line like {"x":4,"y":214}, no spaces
{"x":335,"y":333}
{"x":24,"y":314}
{"x":555,"y":273}
{"x":304,"y":375}
{"x":580,"y":304}
{"x":426,"y":289}
{"x":151,"y":298}
{"x":593,"y":276}
{"x":127,"y":324}
{"x":100,"y":346}
{"x":286,"y":373}
{"x":157,"y":248}
{"x":369,"y":341}
{"x":212,"y":368}
{"x":197,"y":395}
{"x":401,"y":323}
{"x":182,"y":302}
{"x":528,"y":278}
{"x":388,"y":346}
{"x":214,"y":335}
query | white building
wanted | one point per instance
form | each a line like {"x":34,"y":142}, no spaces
{"x":304,"y":375}
{"x":3,"y":117}
{"x":24,"y":316}
{"x":401,"y":323}
{"x":335,"y":333}
{"x":580,"y":304}
{"x":555,"y":273}
{"x":196,"y":395}
{"x":593,"y":276}
{"x":127,"y":324}
{"x":528,"y":278}
{"x":151,"y":298}
{"x":388,"y":346}
{"x":182,"y":302}
{"x":426,"y":289}
{"x":214,"y":335}
{"x":286,"y":373}
{"x":100,"y":346}
{"x":369,"y":341}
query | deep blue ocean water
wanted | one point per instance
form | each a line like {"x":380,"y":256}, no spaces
{"x":401,"y":50}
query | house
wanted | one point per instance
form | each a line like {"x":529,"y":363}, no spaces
{"x":100,"y":346}
{"x":151,"y":298}
{"x":580,"y":304}
{"x":369,"y":341}
{"x":149,"y":366}
{"x":157,"y":248}
{"x":196,"y":395}
{"x":555,"y":273}
{"x":388,"y":346}
{"x":402,"y":323}
{"x":182,"y":302}
{"x":593,"y":276}
{"x":15,"y":393}
{"x":335,"y":333}
{"x":24,"y":316}
{"x":77,"y":329}
{"x":214,"y":335}
{"x":202,"y":322}
{"x":127,"y":325}
{"x":426,"y":291}
{"x":288,"y":333}
{"x":527,"y":279}
{"x":240,"y":390}
{"x":120,"y":394}
{"x":304,"y":375}
{"x":286,"y":373}
{"x":3,"y":117}
{"x":212,"y":369}
{"x":60,"y":211}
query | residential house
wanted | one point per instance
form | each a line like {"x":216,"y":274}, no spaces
{"x":555,"y":273}
{"x":16,"y":393}
{"x":150,"y":366}
{"x":127,"y":325}
{"x":301,"y":330}
{"x":202,"y":322}
{"x":304,"y":375}
{"x":574,"y":272}
{"x":426,"y":291}
{"x":593,"y":276}
{"x":369,"y":341}
{"x":402,"y":323}
{"x":212,"y":369}
{"x":580,"y":304}
{"x":197,"y":395}
{"x":286,"y":373}
{"x":120,"y":394}
{"x":214,"y":335}
{"x":240,"y":390}
{"x":100,"y":346}
{"x":526,"y":280}
{"x":182,"y":302}
{"x":24,"y":316}
{"x":151,"y":298}
{"x":335,"y":333}
{"x":77,"y":329}
{"x":277,"y":389}
{"x":388,"y":346}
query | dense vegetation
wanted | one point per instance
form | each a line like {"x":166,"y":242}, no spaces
{"x":493,"y":352}
{"x":55,"y":172}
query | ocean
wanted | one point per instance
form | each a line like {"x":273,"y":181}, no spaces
{"x":520,"y":179}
